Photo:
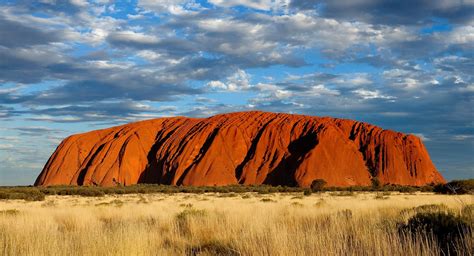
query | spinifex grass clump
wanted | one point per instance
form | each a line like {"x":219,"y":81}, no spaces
{"x":183,"y":218}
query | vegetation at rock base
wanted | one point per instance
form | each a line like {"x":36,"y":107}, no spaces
{"x":30,"y":193}
{"x":458,"y":187}
{"x":318,"y":185}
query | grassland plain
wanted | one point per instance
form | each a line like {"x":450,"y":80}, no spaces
{"x":328,"y":223}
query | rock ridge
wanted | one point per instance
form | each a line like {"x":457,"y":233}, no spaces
{"x":240,"y":148}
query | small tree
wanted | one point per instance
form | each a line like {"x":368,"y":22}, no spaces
{"x":318,"y":185}
{"x":375,"y":183}
{"x":307,"y":192}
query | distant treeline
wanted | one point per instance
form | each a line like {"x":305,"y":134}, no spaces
{"x":31,"y":193}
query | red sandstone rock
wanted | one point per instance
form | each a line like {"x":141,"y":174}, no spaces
{"x":245,"y":148}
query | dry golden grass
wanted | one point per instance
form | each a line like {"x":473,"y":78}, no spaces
{"x":217,"y":224}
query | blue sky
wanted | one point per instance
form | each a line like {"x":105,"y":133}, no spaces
{"x":74,"y":66}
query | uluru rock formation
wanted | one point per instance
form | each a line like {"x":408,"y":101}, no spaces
{"x":241,"y":148}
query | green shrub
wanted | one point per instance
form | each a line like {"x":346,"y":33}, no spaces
{"x":34,"y":195}
{"x":31,"y":193}
{"x":427,"y":188}
{"x":307,"y":192}
{"x":343,"y":193}
{"x":91,"y":192}
{"x":4,"y":195}
{"x":456,"y":187}
{"x":376,"y":183}
{"x":28,"y":194}
{"x":318,"y":185}
{"x":450,"y":231}
{"x":190,"y":212}
{"x":406,"y":189}
{"x":230,"y":194}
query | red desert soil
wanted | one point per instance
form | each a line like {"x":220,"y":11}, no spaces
{"x":241,"y":148}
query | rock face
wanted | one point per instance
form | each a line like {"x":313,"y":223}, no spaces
{"x":241,"y":148}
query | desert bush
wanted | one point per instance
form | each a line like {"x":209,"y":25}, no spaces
{"x":405,"y":189}
{"x":33,"y":195}
{"x":427,"y":188}
{"x":458,"y":187}
{"x":318,"y":185}
{"x":28,"y":194}
{"x":343,"y":193}
{"x":191,"y":212}
{"x":376,"y":183}
{"x":118,"y":191}
{"x":3,"y":195}
{"x":230,"y":194}
{"x":399,"y":188}
{"x":447,"y":229}
{"x":90,"y":192}
{"x":75,"y":190}
{"x":307,"y":192}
